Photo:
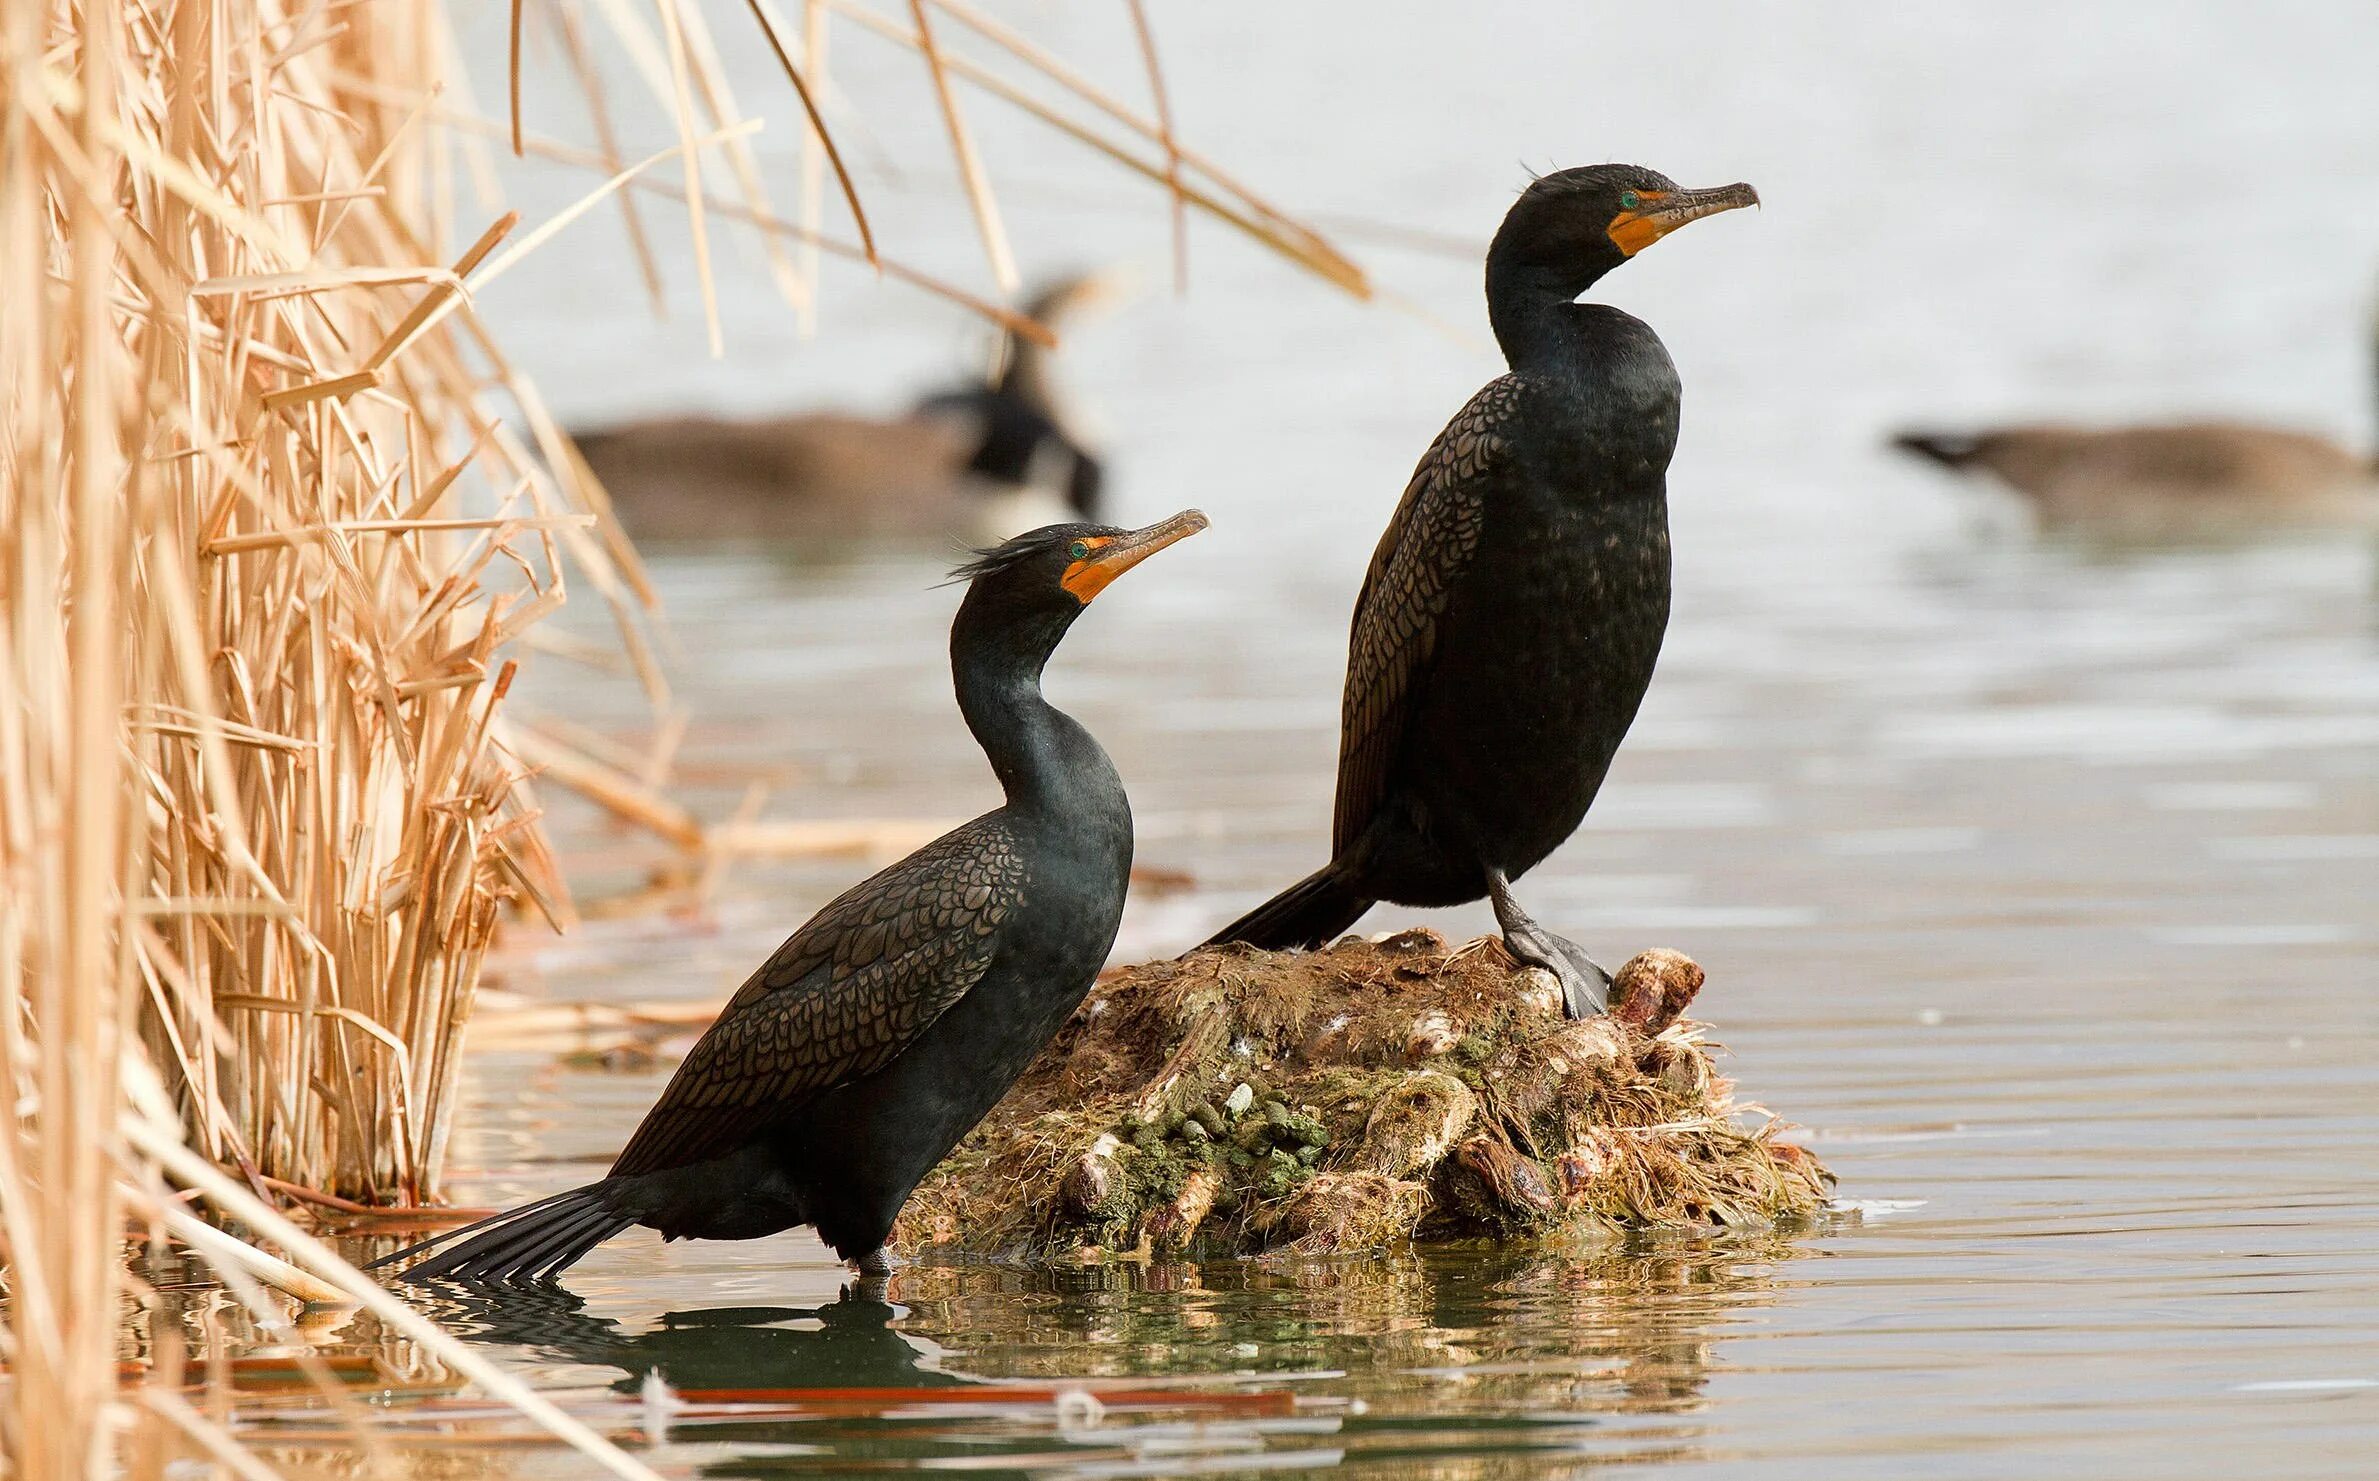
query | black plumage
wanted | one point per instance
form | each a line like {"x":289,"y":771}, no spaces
{"x":845,"y":1343}
{"x":880,"y":1032}
{"x":1016,"y":421}
{"x":1514,"y":610}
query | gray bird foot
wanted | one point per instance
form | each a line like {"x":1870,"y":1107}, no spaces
{"x":876,"y":1263}
{"x":1585,"y":986}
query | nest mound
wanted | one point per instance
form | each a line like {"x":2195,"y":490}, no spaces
{"x":1240,"y":1101}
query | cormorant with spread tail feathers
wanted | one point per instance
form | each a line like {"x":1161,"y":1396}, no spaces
{"x":1515,"y":607}
{"x":883,"y":1030}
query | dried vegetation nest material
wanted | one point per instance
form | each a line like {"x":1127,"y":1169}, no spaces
{"x":1241,"y":1101}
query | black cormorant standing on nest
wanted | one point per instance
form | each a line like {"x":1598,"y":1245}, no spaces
{"x":1515,"y":607}
{"x":2177,"y":478}
{"x":986,"y":460}
{"x":880,"y":1032}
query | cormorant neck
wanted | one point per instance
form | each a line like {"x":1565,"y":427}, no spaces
{"x":1030,"y":742}
{"x":1530,"y":309}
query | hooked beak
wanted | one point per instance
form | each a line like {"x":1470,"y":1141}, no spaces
{"x":1664,"y":211}
{"x":1087,"y":577}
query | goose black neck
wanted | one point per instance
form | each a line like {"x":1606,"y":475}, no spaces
{"x":2375,"y":393}
{"x":996,"y":659}
{"x":1026,"y":376}
{"x":1536,"y":321}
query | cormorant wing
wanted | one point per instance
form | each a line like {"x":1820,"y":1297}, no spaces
{"x":1428,"y":543}
{"x":841,"y":998}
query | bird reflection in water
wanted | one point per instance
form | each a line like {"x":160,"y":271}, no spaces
{"x":1462,"y":1357}
{"x":846,"y":1343}
{"x":1629,"y":1329}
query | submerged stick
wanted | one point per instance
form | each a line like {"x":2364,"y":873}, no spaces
{"x":164,"y":1146}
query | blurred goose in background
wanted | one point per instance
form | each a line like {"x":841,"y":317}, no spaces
{"x":2174,"y":478}
{"x":983,"y":461}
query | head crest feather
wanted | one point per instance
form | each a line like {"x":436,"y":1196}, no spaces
{"x":993,"y":558}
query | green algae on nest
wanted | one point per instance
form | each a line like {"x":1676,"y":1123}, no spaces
{"x":1343,"y":1100}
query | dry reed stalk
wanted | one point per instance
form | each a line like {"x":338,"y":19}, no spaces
{"x":818,"y":137}
{"x":65,"y":830}
{"x":970,"y":164}
{"x":277,"y":519}
{"x":1164,"y":122}
{"x":581,"y":57}
{"x":152,"y":1135}
{"x":814,"y":34}
{"x":1220,"y":196}
{"x":262,"y":555}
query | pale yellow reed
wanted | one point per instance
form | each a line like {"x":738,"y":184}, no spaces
{"x":276,"y":520}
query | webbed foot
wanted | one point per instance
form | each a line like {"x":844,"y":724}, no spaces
{"x":1585,"y":986}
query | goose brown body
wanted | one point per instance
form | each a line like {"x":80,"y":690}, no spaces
{"x":985,"y":460}
{"x":2174,"y":476}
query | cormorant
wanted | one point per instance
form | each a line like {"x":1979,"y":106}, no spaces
{"x":1515,"y":607}
{"x":986,"y":460}
{"x":2166,"y":478}
{"x":846,"y":1343}
{"x":879,"y":1033}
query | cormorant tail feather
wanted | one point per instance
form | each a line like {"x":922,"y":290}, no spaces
{"x":529,"y":1243}
{"x":1314,"y":911}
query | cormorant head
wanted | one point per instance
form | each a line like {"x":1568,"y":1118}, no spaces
{"x":1031,"y":588}
{"x":1572,"y":226}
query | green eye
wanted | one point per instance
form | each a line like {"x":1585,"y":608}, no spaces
{"x":1078,"y":551}
{"x":1627,"y":200}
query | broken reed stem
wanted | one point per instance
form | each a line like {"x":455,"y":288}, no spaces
{"x":814,"y":35}
{"x":1224,"y":198}
{"x":970,"y":164}
{"x":818,"y":132}
{"x":1285,"y":233}
{"x":697,"y":227}
{"x":512,"y":77}
{"x":1164,"y":123}
{"x":581,"y":58}
{"x":310,"y":813}
{"x":264,"y":560}
{"x":275,"y":514}
{"x":63,"y":825}
{"x":317,"y":1260}
{"x":774,"y":226}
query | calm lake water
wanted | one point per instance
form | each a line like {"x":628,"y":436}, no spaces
{"x":2039,"y":882}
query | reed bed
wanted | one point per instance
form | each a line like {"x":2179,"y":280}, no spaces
{"x":278,"y":520}
{"x":269,"y":545}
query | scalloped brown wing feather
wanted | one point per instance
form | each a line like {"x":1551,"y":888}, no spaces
{"x":841,"y":998}
{"x":1427,"y":546}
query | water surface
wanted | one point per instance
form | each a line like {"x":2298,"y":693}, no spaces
{"x":2040,"y":882}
